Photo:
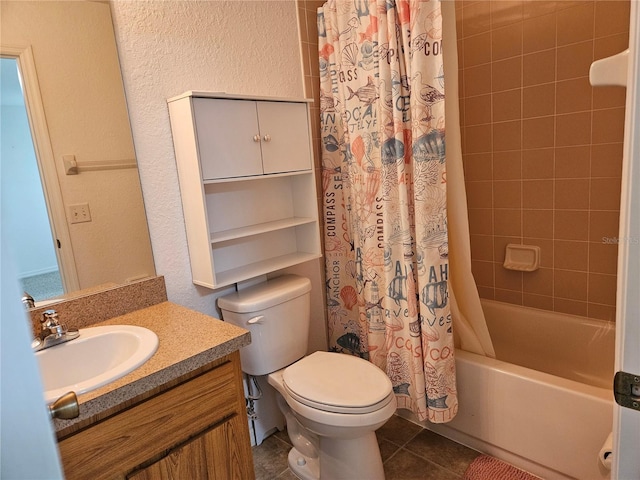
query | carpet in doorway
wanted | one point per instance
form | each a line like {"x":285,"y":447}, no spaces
{"x":485,"y":467}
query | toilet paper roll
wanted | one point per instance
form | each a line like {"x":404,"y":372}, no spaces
{"x":606,"y":452}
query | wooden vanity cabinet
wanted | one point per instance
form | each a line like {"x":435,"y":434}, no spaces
{"x":197,"y":429}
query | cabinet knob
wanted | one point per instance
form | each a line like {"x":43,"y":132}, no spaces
{"x":267,"y":138}
{"x":65,"y":407}
{"x":256,"y":138}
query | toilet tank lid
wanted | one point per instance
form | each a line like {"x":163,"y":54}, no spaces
{"x":266,"y":294}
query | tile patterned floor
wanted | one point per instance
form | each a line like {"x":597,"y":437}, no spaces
{"x":408,"y":452}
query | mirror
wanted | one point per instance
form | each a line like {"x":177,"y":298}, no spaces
{"x":85,"y":156}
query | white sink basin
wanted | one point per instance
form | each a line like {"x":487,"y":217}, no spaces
{"x":98,"y":356}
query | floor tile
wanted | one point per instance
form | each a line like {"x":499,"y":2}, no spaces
{"x":398,"y":430}
{"x":404,"y":465}
{"x":270,"y":458}
{"x":441,"y":450}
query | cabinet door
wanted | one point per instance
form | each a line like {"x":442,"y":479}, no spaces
{"x":284,"y":128}
{"x":228,"y":138}
{"x":220,"y":453}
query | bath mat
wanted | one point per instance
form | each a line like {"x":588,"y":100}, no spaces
{"x":485,"y":467}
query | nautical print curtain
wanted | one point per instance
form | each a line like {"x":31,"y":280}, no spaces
{"x":384,"y":190}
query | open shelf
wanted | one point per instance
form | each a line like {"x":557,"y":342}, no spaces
{"x":218,"y":237}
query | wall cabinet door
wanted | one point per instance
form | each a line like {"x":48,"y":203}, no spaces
{"x":285,"y":137}
{"x":241,"y":138}
{"x":228,"y":138}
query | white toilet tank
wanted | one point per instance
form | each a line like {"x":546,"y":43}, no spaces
{"x":277,"y":313}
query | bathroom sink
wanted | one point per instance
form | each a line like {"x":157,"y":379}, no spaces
{"x":98,"y":356}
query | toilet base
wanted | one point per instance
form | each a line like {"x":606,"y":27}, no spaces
{"x":304,"y":468}
{"x":349,"y":458}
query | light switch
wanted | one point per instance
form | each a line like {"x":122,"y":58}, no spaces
{"x":79,"y":213}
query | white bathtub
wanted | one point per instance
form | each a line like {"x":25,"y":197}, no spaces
{"x":545,"y":405}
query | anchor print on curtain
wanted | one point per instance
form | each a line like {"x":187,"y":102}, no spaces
{"x":384,"y":190}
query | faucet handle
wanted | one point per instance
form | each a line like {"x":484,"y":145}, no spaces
{"x":28,"y":300}
{"x":49,"y":318}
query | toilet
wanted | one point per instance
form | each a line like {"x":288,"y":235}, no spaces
{"x":332,"y":402}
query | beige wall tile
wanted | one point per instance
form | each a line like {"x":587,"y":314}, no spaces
{"x":612,"y":16}
{"x":539,"y":67}
{"x":602,"y":289}
{"x":483,"y":273}
{"x":607,"y":46}
{"x":573,"y":95}
{"x":573,"y":162}
{"x":537,"y":163}
{"x":538,"y":132}
{"x":476,"y":18}
{"x":539,"y":33}
{"x":603,"y":257}
{"x":486,"y":292}
{"x":539,"y":282}
{"x":506,"y":41}
{"x":605,"y":193}
{"x":572,"y":194}
{"x":571,"y":224}
{"x":570,"y":285}
{"x":537,"y":194}
{"x":505,"y":12}
{"x":575,"y":24}
{"x":537,"y":8}
{"x":479,"y":194}
{"x":481,"y":221}
{"x":477,"y":80}
{"x":607,"y":97}
{"x":571,"y":307}
{"x":603,"y":225}
{"x":477,"y":49}
{"x":568,"y":255}
{"x":478,"y":138}
{"x":507,"y":222}
{"x":507,"y":165}
{"x":602,"y":312}
{"x":546,"y":250}
{"x":477,"y":110}
{"x":573,"y":129}
{"x":507,"y":135}
{"x":541,"y":302}
{"x":506,"y":74}
{"x":477,"y":166}
{"x":539,"y":100}
{"x":507,"y":105}
{"x":482,"y":247}
{"x":606,"y":160}
{"x":507,"y":279}
{"x":507,"y":194}
{"x":608,"y":125}
{"x":537,"y":223}
{"x":575,"y":60}
{"x":509,"y":296}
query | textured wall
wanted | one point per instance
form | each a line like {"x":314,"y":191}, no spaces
{"x":542,"y":148}
{"x":167,"y":48}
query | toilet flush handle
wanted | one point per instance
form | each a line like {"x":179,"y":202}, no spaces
{"x":254,"y":320}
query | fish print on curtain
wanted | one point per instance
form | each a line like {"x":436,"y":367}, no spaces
{"x":384,"y":190}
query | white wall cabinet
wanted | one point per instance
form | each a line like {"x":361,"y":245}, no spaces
{"x":247,"y":185}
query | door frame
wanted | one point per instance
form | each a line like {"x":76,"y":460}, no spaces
{"x":626,"y":422}
{"x":46,"y":163}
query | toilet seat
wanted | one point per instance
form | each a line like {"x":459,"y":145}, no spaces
{"x":338,"y":383}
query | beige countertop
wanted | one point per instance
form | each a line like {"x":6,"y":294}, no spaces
{"x":188,"y":340}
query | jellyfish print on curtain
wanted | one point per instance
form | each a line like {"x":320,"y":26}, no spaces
{"x":384,"y":190}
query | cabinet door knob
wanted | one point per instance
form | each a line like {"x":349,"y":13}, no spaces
{"x":256,"y":138}
{"x":267,"y":138}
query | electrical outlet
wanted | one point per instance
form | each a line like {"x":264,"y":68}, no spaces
{"x":80,"y":213}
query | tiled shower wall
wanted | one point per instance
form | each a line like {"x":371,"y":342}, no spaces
{"x":542,"y":148}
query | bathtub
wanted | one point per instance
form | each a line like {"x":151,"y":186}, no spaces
{"x":546,"y":403}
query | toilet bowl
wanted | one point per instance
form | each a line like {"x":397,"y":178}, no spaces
{"x":342,"y":400}
{"x":332,"y":402}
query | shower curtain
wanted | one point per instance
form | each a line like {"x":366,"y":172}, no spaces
{"x":385,"y":195}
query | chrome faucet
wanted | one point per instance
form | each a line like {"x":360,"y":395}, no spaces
{"x":52,"y":332}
